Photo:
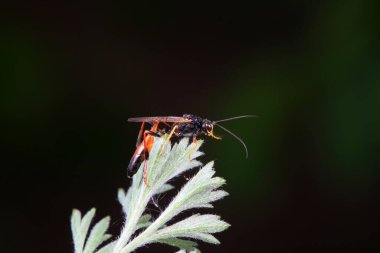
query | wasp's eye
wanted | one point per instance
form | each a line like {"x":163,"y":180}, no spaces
{"x":209,"y":128}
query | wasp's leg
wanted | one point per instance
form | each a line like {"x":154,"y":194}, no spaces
{"x":146,"y":173}
{"x":195,"y":141}
{"x":169,"y":137}
{"x":153,"y":133}
{"x":146,"y":133}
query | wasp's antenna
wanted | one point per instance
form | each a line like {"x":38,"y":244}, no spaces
{"x":237,"y":137}
{"x":238,"y":117}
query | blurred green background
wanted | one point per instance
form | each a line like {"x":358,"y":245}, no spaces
{"x":71,"y":74}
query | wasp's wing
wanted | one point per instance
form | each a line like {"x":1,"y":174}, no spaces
{"x":168,"y":119}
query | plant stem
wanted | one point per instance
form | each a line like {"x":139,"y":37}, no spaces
{"x":141,"y":238}
{"x":132,"y":220}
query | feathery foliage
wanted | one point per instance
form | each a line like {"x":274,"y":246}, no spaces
{"x":140,"y":228}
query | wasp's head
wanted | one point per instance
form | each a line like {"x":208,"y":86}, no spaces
{"x":208,"y":129}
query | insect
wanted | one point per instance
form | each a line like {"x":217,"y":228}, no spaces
{"x":188,"y":125}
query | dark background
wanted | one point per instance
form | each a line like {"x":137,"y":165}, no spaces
{"x":71,"y":74}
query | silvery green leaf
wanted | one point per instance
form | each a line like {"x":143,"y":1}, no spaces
{"x":206,"y":223}
{"x":165,"y":188}
{"x":97,"y":235}
{"x":192,"y":251}
{"x":145,"y":218}
{"x":203,"y":199}
{"x":196,"y":154}
{"x":204,"y":237}
{"x":196,"y":226}
{"x":75,"y":230}
{"x":144,"y":221}
{"x":133,"y":190}
{"x":107,"y":248}
{"x":85,"y":225}
{"x":80,"y":232}
{"x":179,"y":243}
{"x":80,"y":228}
{"x":121,"y":195}
{"x":201,"y":184}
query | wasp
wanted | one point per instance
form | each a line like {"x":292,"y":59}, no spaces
{"x":188,"y":125}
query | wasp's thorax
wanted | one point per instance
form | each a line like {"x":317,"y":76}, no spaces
{"x":192,"y":128}
{"x":196,"y":127}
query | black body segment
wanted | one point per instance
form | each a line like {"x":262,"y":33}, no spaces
{"x":192,"y":128}
{"x":133,"y":165}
